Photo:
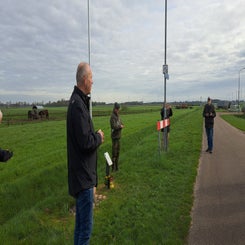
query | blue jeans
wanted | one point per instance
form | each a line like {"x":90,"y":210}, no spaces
{"x":210,"y":132}
{"x":84,"y":217}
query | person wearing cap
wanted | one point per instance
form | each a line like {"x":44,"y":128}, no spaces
{"x":5,"y":155}
{"x":116,"y":128}
{"x":209,"y":114}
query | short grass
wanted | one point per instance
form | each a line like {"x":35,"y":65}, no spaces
{"x":152,"y":198}
{"x":236,"y":120}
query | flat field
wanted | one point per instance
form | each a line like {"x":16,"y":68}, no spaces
{"x":236,"y":120}
{"x":153,"y":193}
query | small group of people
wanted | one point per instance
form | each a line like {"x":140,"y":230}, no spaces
{"x":82,"y":144}
{"x":5,"y":155}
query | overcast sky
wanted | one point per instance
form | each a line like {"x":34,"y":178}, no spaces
{"x":42,"y":43}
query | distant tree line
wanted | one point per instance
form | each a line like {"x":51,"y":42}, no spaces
{"x":61,"y":103}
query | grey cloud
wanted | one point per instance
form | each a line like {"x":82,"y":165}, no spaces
{"x":42,"y":43}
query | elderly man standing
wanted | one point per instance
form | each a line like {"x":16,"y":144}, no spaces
{"x":82,"y":144}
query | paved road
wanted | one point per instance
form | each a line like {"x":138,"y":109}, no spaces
{"x":218,"y":215}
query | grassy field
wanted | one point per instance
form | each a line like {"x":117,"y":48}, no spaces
{"x":153,"y":193}
{"x":236,"y":120}
{"x":13,"y":116}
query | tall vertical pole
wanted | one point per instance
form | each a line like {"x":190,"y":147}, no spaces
{"x":89,"y":58}
{"x":165,"y":77}
{"x":239,"y":85}
{"x":238,"y":92}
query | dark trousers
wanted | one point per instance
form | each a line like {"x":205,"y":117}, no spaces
{"x":115,"y":153}
{"x":209,"y":133}
{"x":84,"y":217}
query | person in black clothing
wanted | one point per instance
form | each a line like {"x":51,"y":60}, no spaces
{"x":5,"y":155}
{"x":82,"y":144}
{"x":116,"y":129}
{"x":209,"y":114}
{"x":169,"y":113}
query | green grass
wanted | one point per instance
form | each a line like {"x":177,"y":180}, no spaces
{"x":152,"y":198}
{"x":237,"y":121}
{"x":13,"y":116}
{"x":153,"y":195}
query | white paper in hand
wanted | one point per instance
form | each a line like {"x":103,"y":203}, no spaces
{"x":108,"y":159}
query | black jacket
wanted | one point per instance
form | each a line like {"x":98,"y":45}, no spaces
{"x":82,"y":144}
{"x":209,"y":114}
{"x":169,"y":113}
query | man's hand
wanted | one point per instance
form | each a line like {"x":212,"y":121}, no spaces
{"x":101,"y":135}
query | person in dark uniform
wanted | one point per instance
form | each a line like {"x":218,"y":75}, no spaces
{"x":209,"y":114}
{"x":169,"y":113}
{"x":5,"y":155}
{"x":116,"y":128}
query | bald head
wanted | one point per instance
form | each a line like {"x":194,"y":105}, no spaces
{"x":82,"y":71}
{"x":84,"y":77}
{"x":209,"y":100}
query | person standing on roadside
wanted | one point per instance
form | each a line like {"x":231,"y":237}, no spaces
{"x":116,"y":128}
{"x":209,"y":114}
{"x":82,"y":144}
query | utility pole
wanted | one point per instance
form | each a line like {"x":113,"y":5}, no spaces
{"x":239,"y":85}
{"x":166,"y":76}
{"x":89,"y":59}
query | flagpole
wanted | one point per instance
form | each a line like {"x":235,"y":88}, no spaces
{"x":89,"y":59}
{"x":165,"y":72}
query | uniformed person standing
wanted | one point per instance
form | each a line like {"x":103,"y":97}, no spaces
{"x":116,"y":128}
